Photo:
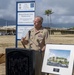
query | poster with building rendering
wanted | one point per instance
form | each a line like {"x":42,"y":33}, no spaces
{"x":58,"y":59}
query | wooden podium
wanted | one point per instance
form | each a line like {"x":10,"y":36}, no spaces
{"x":20,"y":61}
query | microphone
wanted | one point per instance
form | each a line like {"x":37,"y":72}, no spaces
{"x":29,"y":33}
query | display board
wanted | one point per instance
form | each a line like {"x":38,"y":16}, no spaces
{"x":58,"y":59}
{"x":25,"y":13}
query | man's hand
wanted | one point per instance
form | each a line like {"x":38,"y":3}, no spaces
{"x":1,"y":54}
{"x":43,"y":49}
{"x":24,"y":42}
{"x":2,"y":58}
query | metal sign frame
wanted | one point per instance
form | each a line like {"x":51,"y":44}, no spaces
{"x":25,"y":13}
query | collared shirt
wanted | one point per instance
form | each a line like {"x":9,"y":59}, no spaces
{"x":38,"y":39}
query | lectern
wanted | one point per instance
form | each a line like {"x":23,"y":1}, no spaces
{"x":20,"y":61}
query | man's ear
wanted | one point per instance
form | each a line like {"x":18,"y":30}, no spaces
{"x":40,"y":22}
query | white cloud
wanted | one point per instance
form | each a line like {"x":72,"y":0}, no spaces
{"x":64,"y":19}
{"x":63,"y":9}
{"x":1,"y":13}
{"x":59,"y":10}
{"x":52,"y":55}
{"x":1,"y":16}
{"x":9,"y":10}
{"x":12,"y":8}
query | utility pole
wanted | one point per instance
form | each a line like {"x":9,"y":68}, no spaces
{"x":6,"y":27}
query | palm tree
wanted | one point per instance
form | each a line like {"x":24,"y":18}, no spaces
{"x":48,"y":13}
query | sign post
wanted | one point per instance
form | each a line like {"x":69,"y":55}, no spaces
{"x":25,"y":13}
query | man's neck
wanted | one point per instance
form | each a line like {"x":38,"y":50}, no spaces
{"x":37,"y":29}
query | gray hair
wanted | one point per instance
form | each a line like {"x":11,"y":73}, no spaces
{"x":41,"y":18}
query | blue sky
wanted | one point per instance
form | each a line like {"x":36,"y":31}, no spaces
{"x":60,"y":53}
{"x":63,"y":9}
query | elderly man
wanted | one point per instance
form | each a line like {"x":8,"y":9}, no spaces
{"x":37,"y":38}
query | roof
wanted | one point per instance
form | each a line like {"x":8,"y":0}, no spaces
{"x":8,"y":27}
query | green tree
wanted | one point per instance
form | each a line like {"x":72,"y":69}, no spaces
{"x":48,"y":13}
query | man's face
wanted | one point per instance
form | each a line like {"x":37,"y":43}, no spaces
{"x":37,"y":22}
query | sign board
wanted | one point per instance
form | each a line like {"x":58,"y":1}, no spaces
{"x":25,"y":18}
{"x":22,"y":31}
{"x":26,"y":6}
{"x":25,"y":13}
{"x":58,"y":59}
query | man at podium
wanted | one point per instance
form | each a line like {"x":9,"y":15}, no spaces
{"x":36,"y":39}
